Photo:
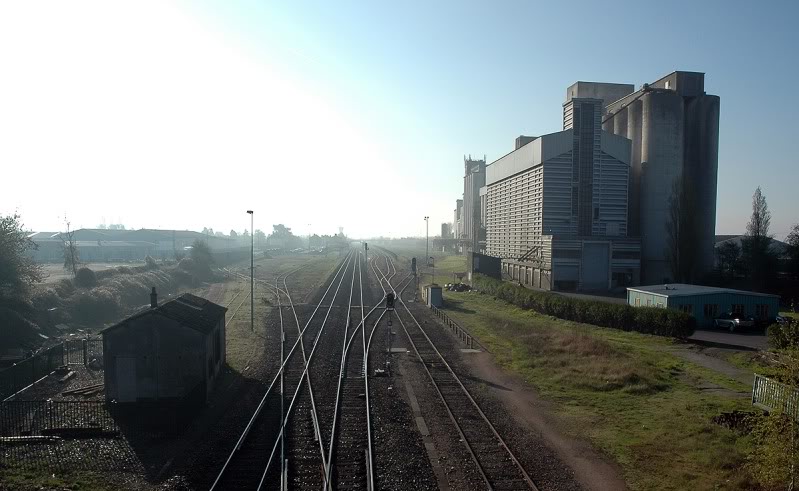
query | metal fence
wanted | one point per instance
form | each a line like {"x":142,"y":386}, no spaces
{"x":774,"y":396}
{"x":71,"y":352}
{"x":54,"y":418}
{"x":462,"y":333}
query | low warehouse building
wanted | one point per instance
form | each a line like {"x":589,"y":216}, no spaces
{"x":172,"y":353}
{"x":706,"y":303}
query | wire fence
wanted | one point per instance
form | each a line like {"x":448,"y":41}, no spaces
{"x":44,"y":362}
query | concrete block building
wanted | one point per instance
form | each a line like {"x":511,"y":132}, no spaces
{"x":673,"y":125}
{"x":556,"y":207}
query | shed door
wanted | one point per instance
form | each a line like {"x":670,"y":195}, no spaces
{"x":126,"y":379}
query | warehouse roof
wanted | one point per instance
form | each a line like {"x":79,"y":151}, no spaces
{"x":684,"y":290}
{"x":190,"y":310}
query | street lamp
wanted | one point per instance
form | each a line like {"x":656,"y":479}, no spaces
{"x":426,"y":239}
{"x":252,"y":271}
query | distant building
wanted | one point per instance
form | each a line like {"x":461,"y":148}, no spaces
{"x":446,"y":230}
{"x":457,"y":225}
{"x":473,"y":234}
{"x":173,"y":352}
{"x":103,"y":245}
{"x":705,"y":302}
{"x":674,"y":128}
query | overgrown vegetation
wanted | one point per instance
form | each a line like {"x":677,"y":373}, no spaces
{"x":18,"y":272}
{"x":784,"y":336}
{"x":775,"y":458}
{"x":623,"y":391}
{"x":648,"y":320}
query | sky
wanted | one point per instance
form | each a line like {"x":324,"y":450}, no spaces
{"x":319,"y":115}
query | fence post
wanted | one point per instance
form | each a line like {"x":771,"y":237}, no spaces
{"x":85,"y":352}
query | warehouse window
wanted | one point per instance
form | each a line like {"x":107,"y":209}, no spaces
{"x":761,"y":311}
{"x":687,"y":308}
{"x":648,"y":302}
{"x":637,"y":302}
{"x":737,"y":308}
{"x":711,"y":310}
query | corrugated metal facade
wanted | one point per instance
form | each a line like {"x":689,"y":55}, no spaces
{"x":707,"y":306}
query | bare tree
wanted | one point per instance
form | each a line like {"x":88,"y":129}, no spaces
{"x":70,"y":250}
{"x":793,"y":249}
{"x":681,"y":231}
{"x":729,"y":254}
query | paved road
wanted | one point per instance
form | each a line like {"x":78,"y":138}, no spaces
{"x":752,"y":340}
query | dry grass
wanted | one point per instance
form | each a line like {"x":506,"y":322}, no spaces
{"x":623,"y":391}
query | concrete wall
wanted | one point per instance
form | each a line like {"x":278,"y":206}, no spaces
{"x":661,"y":165}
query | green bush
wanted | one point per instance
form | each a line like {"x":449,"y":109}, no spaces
{"x":95,"y":306}
{"x":649,"y":320}
{"x":85,"y":278}
{"x":784,"y":336}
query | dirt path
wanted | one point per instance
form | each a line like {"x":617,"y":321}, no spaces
{"x":593,"y":470}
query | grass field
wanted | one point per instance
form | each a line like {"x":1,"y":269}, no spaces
{"x":622,"y":391}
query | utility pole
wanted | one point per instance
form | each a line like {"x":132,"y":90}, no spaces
{"x":426,"y":239}
{"x":252,"y":271}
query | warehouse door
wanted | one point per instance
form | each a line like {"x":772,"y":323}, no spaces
{"x":595,"y":266}
{"x":126,"y":379}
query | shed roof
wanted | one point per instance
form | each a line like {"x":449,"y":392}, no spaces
{"x":189,"y":310}
{"x":685,"y":290}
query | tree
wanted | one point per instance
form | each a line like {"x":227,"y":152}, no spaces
{"x":116,"y":226}
{"x":202,"y":258}
{"x":71,"y":258}
{"x":759,"y":261}
{"x":233,"y":234}
{"x":793,"y":250}
{"x":728,"y":254}
{"x":681,"y":232}
{"x":260,"y":236}
{"x":18,"y":271}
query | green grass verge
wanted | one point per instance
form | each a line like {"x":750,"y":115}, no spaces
{"x":623,"y":391}
{"x":19,"y":479}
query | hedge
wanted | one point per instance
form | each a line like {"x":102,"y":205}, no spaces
{"x":648,"y":320}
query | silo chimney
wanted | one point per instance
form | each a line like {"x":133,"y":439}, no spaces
{"x":153,"y":299}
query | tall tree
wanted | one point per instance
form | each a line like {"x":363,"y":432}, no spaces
{"x":760,"y":262}
{"x":70,"y":248}
{"x":18,"y":271}
{"x":681,"y":231}
{"x":793,"y":250}
{"x":233,"y":234}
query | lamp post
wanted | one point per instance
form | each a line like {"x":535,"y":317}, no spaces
{"x":309,"y":238}
{"x":252,"y":271}
{"x":426,"y":239}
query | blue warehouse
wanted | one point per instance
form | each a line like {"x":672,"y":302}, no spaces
{"x":705,"y":302}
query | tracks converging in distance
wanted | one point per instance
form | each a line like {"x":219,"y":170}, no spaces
{"x":498,"y":467}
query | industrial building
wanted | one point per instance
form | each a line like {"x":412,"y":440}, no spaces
{"x":674,"y":128}
{"x":457,"y":224}
{"x":705,"y":303}
{"x":473,"y":234}
{"x":103,"y":245}
{"x":169,"y":353}
{"x":556,"y":207}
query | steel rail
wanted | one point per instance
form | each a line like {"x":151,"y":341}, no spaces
{"x":262,"y":403}
{"x":465,"y":391}
{"x":304,"y":375}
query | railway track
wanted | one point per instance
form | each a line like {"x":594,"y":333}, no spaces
{"x":498,"y":467}
{"x":251,"y":463}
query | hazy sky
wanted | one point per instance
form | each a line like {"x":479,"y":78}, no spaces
{"x":353,"y":114}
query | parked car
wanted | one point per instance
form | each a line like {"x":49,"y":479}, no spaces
{"x":734,"y":322}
